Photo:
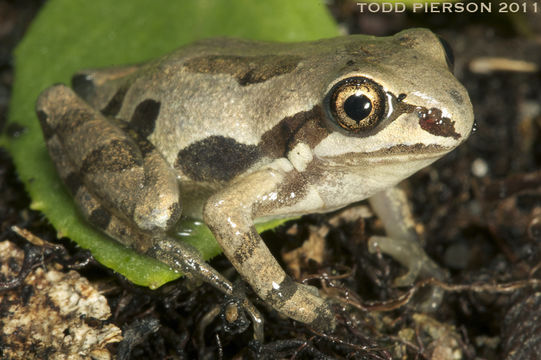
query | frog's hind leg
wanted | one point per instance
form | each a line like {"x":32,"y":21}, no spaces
{"x":126,"y":174}
{"x":93,"y":152}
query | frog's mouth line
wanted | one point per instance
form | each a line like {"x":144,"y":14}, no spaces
{"x":417,"y":148}
{"x":397,"y":153}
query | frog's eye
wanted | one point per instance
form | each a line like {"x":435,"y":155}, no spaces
{"x":357,"y":104}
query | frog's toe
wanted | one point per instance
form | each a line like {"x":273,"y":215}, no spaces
{"x":408,"y":253}
{"x":408,"y":278}
{"x":419,"y":265}
{"x":302,"y":303}
{"x":325,"y":320}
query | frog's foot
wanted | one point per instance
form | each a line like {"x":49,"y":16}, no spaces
{"x":408,"y":253}
{"x":183,"y":257}
{"x":301,"y":303}
{"x":411,"y":255}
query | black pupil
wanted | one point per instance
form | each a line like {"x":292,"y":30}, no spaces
{"x":357,"y":107}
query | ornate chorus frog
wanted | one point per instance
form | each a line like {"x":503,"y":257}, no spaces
{"x":235,"y":132}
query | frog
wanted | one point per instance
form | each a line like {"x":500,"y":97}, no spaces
{"x":237,"y":132}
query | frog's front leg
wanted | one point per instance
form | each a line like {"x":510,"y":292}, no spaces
{"x":230,"y":215}
{"x":402,"y":242}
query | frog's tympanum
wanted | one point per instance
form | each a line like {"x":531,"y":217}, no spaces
{"x":236,"y":132}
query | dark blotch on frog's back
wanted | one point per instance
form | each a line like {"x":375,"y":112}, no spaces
{"x":113,"y":106}
{"x":144,"y":117}
{"x":245,"y":69}
{"x":216,"y":158}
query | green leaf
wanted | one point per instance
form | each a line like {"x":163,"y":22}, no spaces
{"x":69,"y":35}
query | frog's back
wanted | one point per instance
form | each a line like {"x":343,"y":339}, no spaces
{"x":206,"y":106}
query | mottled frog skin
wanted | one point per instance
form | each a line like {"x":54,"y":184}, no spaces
{"x":236,"y":132}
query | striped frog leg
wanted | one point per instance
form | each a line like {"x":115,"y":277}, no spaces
{"x":230,"y":215}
